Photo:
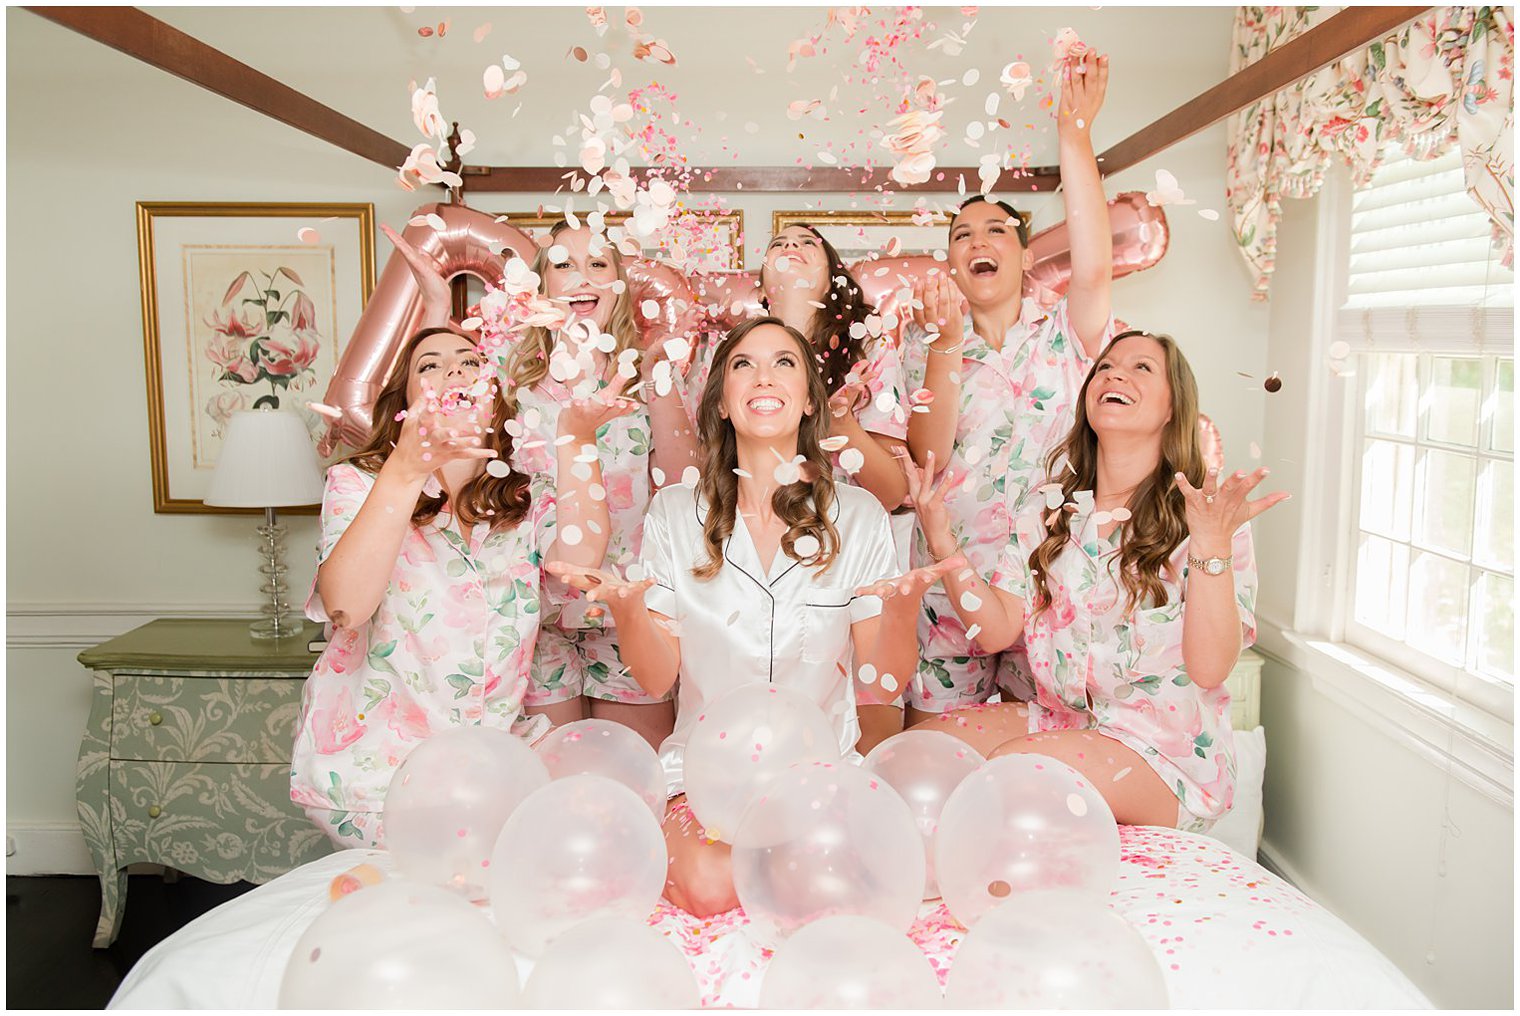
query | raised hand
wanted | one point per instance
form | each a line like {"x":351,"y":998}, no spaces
{"x":909,"y":588}
{"x":938,"y":306}
{"x":1084,"y":81}
{"x":601,"y":585}
{"x":582,"y":418}
{"x":431,"y":437}
{"x":1215,"y":510}
{"x":928,"y":500}
{"x":435,"y":288}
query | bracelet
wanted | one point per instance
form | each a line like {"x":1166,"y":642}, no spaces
{"x":946,"y":352}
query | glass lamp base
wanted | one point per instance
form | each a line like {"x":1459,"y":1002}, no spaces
{"x":287,"y":626}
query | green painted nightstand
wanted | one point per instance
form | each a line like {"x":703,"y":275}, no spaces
{"x":186,"y":758}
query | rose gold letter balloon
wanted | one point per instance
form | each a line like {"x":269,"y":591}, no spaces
{"x":471,"y":243}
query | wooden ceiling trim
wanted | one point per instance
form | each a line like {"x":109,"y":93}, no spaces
{"x":154,"y":42}
{"x":1336,"y":37}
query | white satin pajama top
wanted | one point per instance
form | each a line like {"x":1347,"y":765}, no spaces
{"x":788,"y":626}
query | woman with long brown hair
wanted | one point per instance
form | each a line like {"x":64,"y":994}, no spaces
{"x":766,"y":572}
{"x":429,"y":575}
{"x":577,"y":669}
{"x":806,"y":285}
{"x":1134,"y":584}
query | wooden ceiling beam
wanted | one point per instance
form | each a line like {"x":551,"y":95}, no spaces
{"x":1338,"y":36}
{"x":767,"y":179}
{"x":150,"y":40}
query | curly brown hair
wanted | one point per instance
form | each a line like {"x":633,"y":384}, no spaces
{"x":1158,"y":520}
{"x":500,"y":500}
{"x":804,"y":506}
{"x":829,"y":332}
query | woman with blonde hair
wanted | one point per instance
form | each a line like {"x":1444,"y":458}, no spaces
{"x":1134,"y":586}
{"x":577,"y":669}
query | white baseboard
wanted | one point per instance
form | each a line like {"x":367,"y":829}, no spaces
{"x":48,"y":848}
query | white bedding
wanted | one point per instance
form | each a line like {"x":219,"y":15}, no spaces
{"x":1228,"y":934}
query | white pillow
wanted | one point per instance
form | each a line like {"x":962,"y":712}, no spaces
{"x":1240,"y":829}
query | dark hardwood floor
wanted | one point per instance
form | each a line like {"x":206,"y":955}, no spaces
{"x":50,"y":920}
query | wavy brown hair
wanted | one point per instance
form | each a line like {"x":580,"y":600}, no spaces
{"x":1158,"y":521}
{"x":500,"y":500}
{"x":528,"y":362}
{"x":805,"y":505}
{"x":829,"y":332}
{"x":1020,"y":219}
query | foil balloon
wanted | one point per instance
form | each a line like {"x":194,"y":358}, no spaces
{"x":1140,"y":238}
{"x":469,"y":243}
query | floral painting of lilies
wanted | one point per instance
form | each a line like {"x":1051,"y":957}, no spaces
{"x":245,"y":306}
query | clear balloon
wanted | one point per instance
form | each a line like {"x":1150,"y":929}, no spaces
{"x":1022,"y":823}
{"x":611,"y":963}
{"x":448,"y":801}
{"x":604,"y":748}
{"x":924,"y":767}
{"x":827,"y":839}
{"x":743,"y":741}
{"x":1055,"y":950}
{"x":582,"y":846}
{"x":400,"y":945}
{"x":849,"y":962}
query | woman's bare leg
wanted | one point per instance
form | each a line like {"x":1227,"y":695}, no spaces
{"x":653,"y":721}
{"x":984,"y":727}
{"x":1133,"y":790}
{"x":560,"y":713}
{"x":701,"y":878}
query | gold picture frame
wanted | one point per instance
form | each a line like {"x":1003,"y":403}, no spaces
{"x":861,"y":234}
{"x":243,"y":304}
{"x":731,"y":222}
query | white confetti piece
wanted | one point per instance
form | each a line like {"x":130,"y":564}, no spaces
{"x":973,"y":632}
{"x":1120,"y":514}
{"x":498,"y":468}
{"x":1077,"y":804}
{"x":888,"y":683}
{"x":834,"y":443}
{"x":732,"y":618}
{"x":866,"y":674}
{"x":1339,"y":350}
{"x":852,"y":460}
{"x":691,"y":476}
{"x":1209,"y":214}
{"x":971,"y":77}
{"x":649,"y":309}
{"x":971,"y":601}
{"x":657,"y":475}
{"x":570,"y":535}
{"x":1121,"y":774}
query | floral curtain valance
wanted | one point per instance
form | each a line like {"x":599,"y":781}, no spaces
{"x":1445,"y":78}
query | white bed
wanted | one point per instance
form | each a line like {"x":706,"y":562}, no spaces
{"x":1228,"y":934}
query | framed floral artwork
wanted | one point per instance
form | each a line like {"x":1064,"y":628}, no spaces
{"x":244,"y":306}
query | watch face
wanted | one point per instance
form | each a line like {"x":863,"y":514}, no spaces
{"x":1213,"y":566}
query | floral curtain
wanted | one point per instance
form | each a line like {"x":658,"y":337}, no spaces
{"x":1445,"y":78}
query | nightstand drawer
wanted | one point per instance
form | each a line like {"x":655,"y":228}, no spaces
{"x":220,"y":822}
{"x":203,"y":719}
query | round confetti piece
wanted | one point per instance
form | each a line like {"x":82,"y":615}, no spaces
{"x":866,"y":674}
{"x":1076,"y":804}
{"x":498,"y":468}
{"x":571,"y":535}
{"x":806,"y":545}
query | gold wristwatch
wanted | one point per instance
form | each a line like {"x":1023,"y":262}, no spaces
{"x":1211,"y":565}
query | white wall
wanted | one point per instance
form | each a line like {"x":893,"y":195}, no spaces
{"x":1366,"y":820}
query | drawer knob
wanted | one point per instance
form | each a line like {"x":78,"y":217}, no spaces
{"x":155,"y":718}
{"x":154,"y":811}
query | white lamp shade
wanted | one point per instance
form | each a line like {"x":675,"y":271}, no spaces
{"x":267,"y":461}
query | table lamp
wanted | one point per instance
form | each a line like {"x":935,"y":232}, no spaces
{"x":268,"y":461}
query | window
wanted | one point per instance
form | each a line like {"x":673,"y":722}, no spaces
{"x":1427,"y":321}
